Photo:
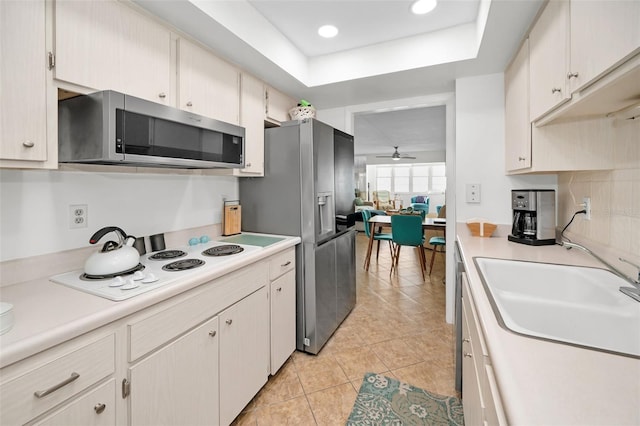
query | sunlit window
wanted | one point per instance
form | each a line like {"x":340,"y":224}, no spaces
{"x":411,"y":178}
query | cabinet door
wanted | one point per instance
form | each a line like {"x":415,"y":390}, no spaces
{"x":252,"y":119}
{"x":107,"y":45}
{"x":244,"y":353}
{"x":345,"y":275}
{"x":549,"y":56}
{"x":178,"y":384}
{"x":86,"y":43}
{"x":283,"y":319}
{"x":603,"y":33}
{"x":145,"y":57}
{"x":207,"y":85}
{"x":517,"y":123}
{"x":23,"y":112}
{"x":494,"y":414}
{"x":97,"y":408}
{"x":277,"y":105}
{"x":471,"y":389}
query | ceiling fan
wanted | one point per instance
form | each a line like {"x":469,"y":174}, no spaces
{"x":396,"y":155}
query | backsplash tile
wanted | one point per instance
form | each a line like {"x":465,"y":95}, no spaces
{"x":615,"y":195}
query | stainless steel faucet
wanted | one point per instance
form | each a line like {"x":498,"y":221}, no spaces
{"x":633,"y":292}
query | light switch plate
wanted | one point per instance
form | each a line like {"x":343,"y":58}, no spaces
{"x":473,"y":193}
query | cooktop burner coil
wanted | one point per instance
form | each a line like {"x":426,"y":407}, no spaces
{"x":223,"y":250}
{"x":167,"y":254}
{"x":87,"y":277}
{"x":182,"y":265}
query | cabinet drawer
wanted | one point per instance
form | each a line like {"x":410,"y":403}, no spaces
{"x":90,"y":364}
{"x":173,"y":318}
{"x":96,"y":408}
{"x":281,"y":263}
{"x":477,"y":338}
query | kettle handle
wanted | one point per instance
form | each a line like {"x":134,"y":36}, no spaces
{"x":102,"y":232}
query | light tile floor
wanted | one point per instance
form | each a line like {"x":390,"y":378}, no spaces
{"x":397,"y":328}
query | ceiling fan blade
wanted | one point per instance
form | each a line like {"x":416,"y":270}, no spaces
{"x":396,"y":155}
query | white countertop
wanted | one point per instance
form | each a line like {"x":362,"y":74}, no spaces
{"x":47,"y":314}
{"x":542,"y":382}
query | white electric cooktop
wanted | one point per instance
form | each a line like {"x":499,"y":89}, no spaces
{"x":157,"y":273}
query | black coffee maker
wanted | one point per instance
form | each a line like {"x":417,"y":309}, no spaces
{"x":534,"y":217}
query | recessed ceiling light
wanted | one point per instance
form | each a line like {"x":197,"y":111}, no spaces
{"x":420,"y":7}
{"x":327,"y":31}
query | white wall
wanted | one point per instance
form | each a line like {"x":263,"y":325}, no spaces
{"x":34,"y":206}
{"x":480,"y":151}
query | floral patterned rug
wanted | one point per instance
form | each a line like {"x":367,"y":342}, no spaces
{"x":385,"y":401}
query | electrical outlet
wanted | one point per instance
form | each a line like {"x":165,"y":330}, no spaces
{"x":78,"y":216}
{"x":586,"y":201}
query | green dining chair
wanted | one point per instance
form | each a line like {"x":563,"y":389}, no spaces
{"x":437,"y":241}
{"x":406,"y":230}
{"x":377,"y":236}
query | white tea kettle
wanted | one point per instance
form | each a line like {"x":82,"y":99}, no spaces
{"x":113,"y":258}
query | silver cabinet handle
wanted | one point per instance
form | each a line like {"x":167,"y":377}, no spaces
{"x":248,"y":165}
{"x":28,"y":144}
{"x":126,"y":388}
{"x":162,"y":95}
{"x":521,"y":158}
{"x":99,"y":408}
{"x":212,"y":333}
{"x":229,"y":321}
{"x":41,"y":394}
{"x":571,"y":75}
{"x":468,"y":355}
{"x":279,"y":289}
{"x":189,"y":103}
{"x":286,"y":264}
{"x":555,"y":90}
{"x":466,"y":340}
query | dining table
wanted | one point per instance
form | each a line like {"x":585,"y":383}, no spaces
{"x":381,"y":220}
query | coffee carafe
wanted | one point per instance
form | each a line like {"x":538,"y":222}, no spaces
{"x":534,"y":217}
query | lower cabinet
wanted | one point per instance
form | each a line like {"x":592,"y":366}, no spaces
{"x":197,"y":358}
{"x":61,"y":385}
{"x":96,"y":408}
{"x":283,"y":319}
{"x":244,"y":353}
{"x":178,"y":384}
{"x":480,"y":396}
{"x":282,"y":274}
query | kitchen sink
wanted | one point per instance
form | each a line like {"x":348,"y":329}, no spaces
{"x":575,"y":305}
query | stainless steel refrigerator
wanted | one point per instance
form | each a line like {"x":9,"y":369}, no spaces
{"x":307,"y":191}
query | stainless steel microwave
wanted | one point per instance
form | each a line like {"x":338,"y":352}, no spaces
{"x":113,"y":128}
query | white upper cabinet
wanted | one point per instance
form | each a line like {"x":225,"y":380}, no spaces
{"x":517,"y":123}
{"x":578,"y":48}
{"x":549,"y":56}
{"x":105,"y":45}
{"x":603,"y":33}
{"x":23,"y":75}
{"x":252,"y":119}
{"x":207,"y":85}
{"x":277,"y":105}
